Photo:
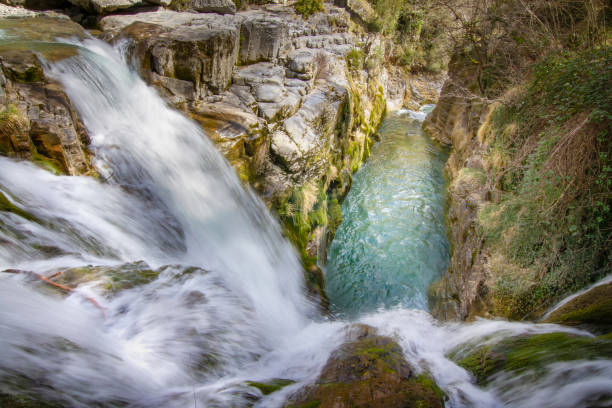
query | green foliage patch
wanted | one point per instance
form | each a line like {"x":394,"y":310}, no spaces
{"x":553,"y":218}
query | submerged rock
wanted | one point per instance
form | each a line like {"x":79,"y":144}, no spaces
{"x":369,"y":370}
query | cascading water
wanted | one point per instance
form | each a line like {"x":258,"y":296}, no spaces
{"x":224,"y":303}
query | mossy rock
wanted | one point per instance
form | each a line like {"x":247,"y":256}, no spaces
{"x":113,"y":279}
{"x":6,"y":205}
{"x":270,"y":386}
{"x":369,"y":371}
{"x":592,"y":310}
{"x":535,"y":352}
{"x":24,"y":401}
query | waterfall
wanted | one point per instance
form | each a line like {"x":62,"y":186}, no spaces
{"x":221,"y":301}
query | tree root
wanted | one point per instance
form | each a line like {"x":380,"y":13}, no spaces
{"x":58,"y":285}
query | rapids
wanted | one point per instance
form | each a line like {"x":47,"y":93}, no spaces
{"x":227,"y":304}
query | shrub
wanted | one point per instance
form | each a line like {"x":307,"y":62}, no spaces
{"x":308,"y":7}
{"x":355,"y":59}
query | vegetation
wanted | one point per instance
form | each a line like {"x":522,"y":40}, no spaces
{"x":533,"y":353}
{"x":550,"y":153}
{"x":306,"y":8}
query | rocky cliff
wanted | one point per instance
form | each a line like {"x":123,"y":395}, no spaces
{"x":292,"y":103}
{"x":528,"y":214}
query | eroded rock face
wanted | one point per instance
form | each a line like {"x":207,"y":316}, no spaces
{"x":37,"y":121}
{"x":172,"y":47}
{"x":463,"y":292}
{"x":369,"y":370}
{"x":274,"y":93}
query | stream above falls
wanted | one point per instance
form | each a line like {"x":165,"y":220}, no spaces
{"x":392,"y":242}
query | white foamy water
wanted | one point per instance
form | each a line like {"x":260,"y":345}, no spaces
{"x":191,"y":336}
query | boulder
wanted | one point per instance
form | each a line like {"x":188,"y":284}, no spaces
{"x":369,"y":370}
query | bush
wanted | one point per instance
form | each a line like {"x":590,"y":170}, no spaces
{"x":355,"y":59}
{"x":308,"y":7}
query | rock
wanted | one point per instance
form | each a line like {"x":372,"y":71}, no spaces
{"x":205,"y":6}
{"x":260,"y":73}
{"x":37,"y":120}
{"x":592,"y":310}
{"x":360,"y":9}
{"x":105,"y":6}
{"x":530,"y":354}
{"x":302,"y":62}
{"x":369,"y":370}
{"x":112,"y":279}
{"x":269,"y":93}
{"x":261,"y":37}
{"x":201,"y":49}
{"x":240,"y":136}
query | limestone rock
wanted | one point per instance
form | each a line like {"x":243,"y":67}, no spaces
{"x":261,"y":37}
{"x":105,"y":6}
{"x":37,"y":120}
{"x":369,"y":370}
{"x":358,"y":8}
{"x":205,"y":6}
{"x":201,"y":49}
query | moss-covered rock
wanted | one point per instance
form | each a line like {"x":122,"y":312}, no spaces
{"x":592,"y":310}
{"x":369,"y":370}
{"x":24,"y":401}
{"x":535,"y":352}
{"x":6,"y":205}
{"x":270,"y":386}
{"x":112,"y":279}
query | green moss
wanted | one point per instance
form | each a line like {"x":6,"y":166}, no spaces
{"x":592,"y":310}
{"x":306,"y":8}
{"x":24,"y":401}
{"x":310,"y":404}
{"x":270,"y":386}
{"x":355,"y":59}
{"x":6,"y":205}
{"x":550,"y":152}
{"x":522,"y":353}
{"x":428,"y":383}
{"x":472,"y":175}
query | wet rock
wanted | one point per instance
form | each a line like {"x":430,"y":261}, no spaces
{"x":369,"y":370}
{"x":591,"y":310}
{"x":270,"y":386}
{"x":37,"y":120}
{"x":530,"y":354}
